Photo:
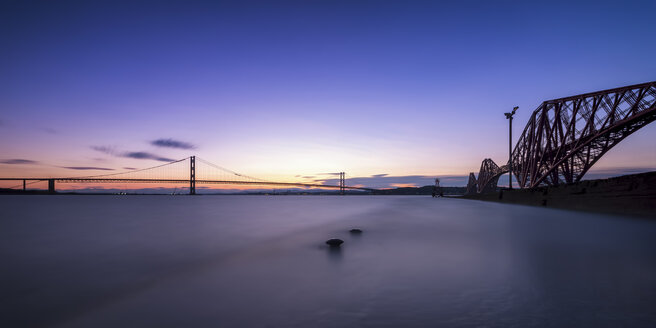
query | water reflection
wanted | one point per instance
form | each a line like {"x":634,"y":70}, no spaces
{"x":335,"y":253}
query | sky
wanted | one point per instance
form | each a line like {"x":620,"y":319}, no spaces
{"x":384,"y":90}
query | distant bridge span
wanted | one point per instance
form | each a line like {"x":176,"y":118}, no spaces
{"x":565,"y":137}
{"x":270,"y":183}
{"x":162,"y":173}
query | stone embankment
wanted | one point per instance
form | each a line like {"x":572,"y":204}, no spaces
{"x":630,"y":194}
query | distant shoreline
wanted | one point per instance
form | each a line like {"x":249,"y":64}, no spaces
{"x":426,"y":190}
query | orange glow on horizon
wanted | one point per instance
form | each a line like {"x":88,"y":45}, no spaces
{"x":403,"y":185}
{"x":147,"y":187}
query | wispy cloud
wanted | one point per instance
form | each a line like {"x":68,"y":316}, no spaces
{"x":87,"y":168}
{"x":171,"y":143}
{"x":130,"y":154}
{"x":145,"y":155}
{"x":18,"y":161}
{"x":129,"y":168}
{"x":105,"y":149}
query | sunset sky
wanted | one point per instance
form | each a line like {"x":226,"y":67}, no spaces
{"x":287,"y":89}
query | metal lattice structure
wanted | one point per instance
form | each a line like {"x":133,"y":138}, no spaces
{"x":472,"y":184}
{"x":565,"y":137}
{"x":488,"y":175}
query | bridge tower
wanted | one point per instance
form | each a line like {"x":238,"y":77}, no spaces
{"x":51,"y":186}
{"x":192,"y":175}
{"x":437,"y":189}
{"x":342,"y":183}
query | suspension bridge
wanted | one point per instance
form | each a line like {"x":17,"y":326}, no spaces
{"x":565,"y":137}
{"x":191,"y":170}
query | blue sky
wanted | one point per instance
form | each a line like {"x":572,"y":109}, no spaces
{"x":284,"y":88}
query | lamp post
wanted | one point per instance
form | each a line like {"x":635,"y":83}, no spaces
{"x":509,"y":116}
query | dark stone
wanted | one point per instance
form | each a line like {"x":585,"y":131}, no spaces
{"x":334,"y":242}
{"x":355,"y":231}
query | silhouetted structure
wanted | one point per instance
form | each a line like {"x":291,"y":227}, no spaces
{"x":509,"y":116}
{"x":437,"y":189}
{"x":179,"y":172}
{"x":342,"y":183}
{"x":51,"y":186}
{"x":192,"y":175}
{"x":565,"y":137}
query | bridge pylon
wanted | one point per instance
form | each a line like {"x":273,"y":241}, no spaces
{"x":342,"y":183}
{"x":192,"y":175}
{"x":51,"y":186}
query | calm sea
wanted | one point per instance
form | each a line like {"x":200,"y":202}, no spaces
{"x":261,"y":261}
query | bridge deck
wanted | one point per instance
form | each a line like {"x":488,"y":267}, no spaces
{"x":117,"y":180}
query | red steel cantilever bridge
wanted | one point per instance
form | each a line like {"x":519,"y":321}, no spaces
{"x":565,"y":137}
{"x":185,"y":171}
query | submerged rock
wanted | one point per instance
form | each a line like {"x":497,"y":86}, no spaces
{"x":355,"y":231}
{"x":334,"y":242}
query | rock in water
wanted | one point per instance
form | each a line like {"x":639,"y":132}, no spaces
{"x":334,"y":242}
{"x":355,"y":231}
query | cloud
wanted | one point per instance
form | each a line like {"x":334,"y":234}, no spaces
{"x":170,"y":143}
{"x":86,"y":168}
{"x":50,"y":130}
{"x":379,"y":175}
{"x":145,"y":155}
{"x":105,"y":150}
{"x":130,"y":154}
{"x":129,"y":168}
{"x":18,"y":161}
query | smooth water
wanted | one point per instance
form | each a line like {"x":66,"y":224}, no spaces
{"x":258,"y":261}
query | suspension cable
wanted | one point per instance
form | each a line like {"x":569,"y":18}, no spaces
{"x":230,"y":171}
{"x":133,"y":171}
{"x":27,"y":184}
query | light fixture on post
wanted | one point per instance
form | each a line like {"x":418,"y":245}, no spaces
{"x":509,"y":116}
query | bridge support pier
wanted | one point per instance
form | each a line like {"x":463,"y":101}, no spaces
{"x":51,"y":186}
{"x":342,"y":182}
{"x":23,"y":184}
{"x":192,"y":175}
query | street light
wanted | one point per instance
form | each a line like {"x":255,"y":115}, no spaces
{"x":509,"y":116}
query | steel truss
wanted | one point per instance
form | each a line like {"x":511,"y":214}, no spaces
{"x":565,"y":137}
